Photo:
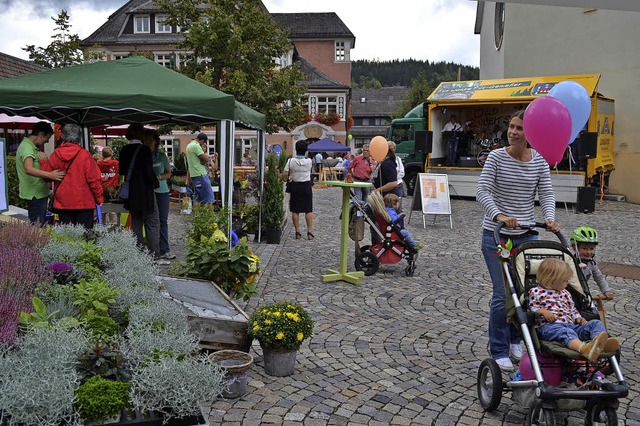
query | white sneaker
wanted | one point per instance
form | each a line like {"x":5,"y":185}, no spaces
{"x":515,"y":351}
{"x":505,"y":364}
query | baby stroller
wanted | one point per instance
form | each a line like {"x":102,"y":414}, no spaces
{"x":551,"y":376}
{"x":388,"y":245}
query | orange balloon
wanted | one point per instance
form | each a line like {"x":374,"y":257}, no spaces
{"x":378,"y":148}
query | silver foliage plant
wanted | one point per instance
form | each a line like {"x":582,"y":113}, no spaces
{"x":141,"y":342}
{"x":60,"y":251}
{"x":38,"y":380}
{"x":157,"y":311}
{"x":176,"y":387}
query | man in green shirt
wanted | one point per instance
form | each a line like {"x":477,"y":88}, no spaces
{"x":32,"y":185}
{"x":197,"y":174}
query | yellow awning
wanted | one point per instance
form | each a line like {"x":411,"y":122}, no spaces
{"x":523,"y":89}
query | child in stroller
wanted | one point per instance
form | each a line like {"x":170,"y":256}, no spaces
{"x":551,"y":376}
{"x":392,"y":205}
{"x":561,"y":320}
{"x":388,"y":246}
{"x":584,"y":240}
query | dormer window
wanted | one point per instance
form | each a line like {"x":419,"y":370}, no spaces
{"x":141,"y":24}
{"x":161,"y":27}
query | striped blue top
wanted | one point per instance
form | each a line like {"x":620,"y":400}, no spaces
{"x":509,"y":186}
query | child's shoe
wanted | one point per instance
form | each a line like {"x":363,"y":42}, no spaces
{"x":611,"y":345}
{"x":592,"y":349}
{"x":418,"y":246}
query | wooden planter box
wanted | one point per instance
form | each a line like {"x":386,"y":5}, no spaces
{"x":218,"y":320}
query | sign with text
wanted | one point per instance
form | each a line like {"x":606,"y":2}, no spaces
{"x":434,"y":193}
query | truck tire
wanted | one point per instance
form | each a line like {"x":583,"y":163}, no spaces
{"x":410,"y":179}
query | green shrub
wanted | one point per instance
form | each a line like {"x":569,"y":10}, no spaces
{"x":99,"y":399}
{"x":93,"y":297}
{"x":117,"y":145}
{"x":101,"y":325}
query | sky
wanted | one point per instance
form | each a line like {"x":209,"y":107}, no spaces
{"x":434,"y":30}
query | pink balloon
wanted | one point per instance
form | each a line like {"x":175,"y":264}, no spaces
{"x":547,"y":127}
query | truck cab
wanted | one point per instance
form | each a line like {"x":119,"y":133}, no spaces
{"x":410,"y":135}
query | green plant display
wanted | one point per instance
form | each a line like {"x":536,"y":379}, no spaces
{"x":117,"y":145}
{"x":90,"y":254}
{"x":206,"y":220}
{"x":273,"y":206}
{"x":101,"y":325}
{"x":39,"y":317}
{"x":252,"y":219}
{"x":178,"y":180}
{"x":93,"y":297}
{"x":13,"y":184}
{"x":235,"y":270}
{"x":280,"y":325}
{"x":99,"y":399}
{"x":180,"y":162}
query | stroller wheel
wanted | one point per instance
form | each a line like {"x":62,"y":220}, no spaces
{"x":601,"y":414}
{"x":367,"y":262}
{"x":540,"y":415}
{"x":489,"y":385}
{"x":409,"y":270}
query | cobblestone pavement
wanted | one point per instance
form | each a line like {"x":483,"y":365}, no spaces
{"x":400,"y":350}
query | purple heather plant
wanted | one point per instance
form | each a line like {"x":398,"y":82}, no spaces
{"x":23,"y":234}
{"x":22,"y":268}
{"x":12,"y":302}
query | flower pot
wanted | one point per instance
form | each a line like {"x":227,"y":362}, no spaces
{"x":279,"y":362}
{"x":273,"y":236}
{"x":236,"y":364}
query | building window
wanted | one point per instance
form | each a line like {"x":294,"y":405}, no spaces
{"x":328,"y":104}
{"x":161,"y":27}
{"x":167,"y":146}
{"x":365,"y":121}
{"x":341,"y":52}
{"x":119,"y":56}
{"x":141,"y":24}
{"x":498,"y":25}
{"x":165,"y":60}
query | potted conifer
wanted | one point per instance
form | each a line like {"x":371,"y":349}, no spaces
{"x":273,"y":199}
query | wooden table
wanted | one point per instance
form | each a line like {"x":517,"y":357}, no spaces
{"x":342,"y":274}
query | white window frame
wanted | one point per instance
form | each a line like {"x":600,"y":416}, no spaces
{"x":167,"y":144}
{"x":117,"y":56}
{"x":163,"y":59}
{"x":162,"y":28}
{"x":342,"y":50}
{"x":329,"y":103}
{"x":142,"y":19}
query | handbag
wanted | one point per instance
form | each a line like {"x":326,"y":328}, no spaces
{"x":55,"y":187}
{"x":124,"y":187}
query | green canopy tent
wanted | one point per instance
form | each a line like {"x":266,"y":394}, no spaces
{"x":129,"y":90}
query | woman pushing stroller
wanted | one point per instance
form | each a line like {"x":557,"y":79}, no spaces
{"x":561,"y":320}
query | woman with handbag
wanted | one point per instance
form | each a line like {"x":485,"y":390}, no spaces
{"x":298,"y":175}
{"x":75,"y":197}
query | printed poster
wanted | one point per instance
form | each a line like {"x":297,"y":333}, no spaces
{"x":4,"y":190}
{"x":434,"y":191}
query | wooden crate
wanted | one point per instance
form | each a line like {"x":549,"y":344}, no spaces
{"x":216,"y":318}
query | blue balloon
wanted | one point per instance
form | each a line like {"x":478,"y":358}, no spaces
{"x":234,"y":238}
{"x":576,"y":99}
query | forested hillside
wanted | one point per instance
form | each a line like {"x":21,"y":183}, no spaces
{"x":366,"y":73}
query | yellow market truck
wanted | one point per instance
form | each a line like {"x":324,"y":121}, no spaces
{"x":483,"y":109}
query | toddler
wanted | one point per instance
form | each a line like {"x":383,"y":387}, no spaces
{"x":392,"y":204}
{"x":562,"y":321}
{"x":583,"y":242}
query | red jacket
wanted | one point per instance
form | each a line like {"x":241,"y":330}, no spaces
{"x":81,"y":187}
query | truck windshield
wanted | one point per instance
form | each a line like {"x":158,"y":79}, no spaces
{"x":401,"y":132}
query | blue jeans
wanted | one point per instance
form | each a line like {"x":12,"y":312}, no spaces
{"x":202,"y":191}
{"x":565,"y":332}
{"x":37,"y":210}
{"x":501,"y":333}
{"x":407,"y":237}
{"x":453,"y":151}
{"x":162,"y":198}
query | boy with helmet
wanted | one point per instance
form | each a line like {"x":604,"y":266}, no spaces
{"x":584,"y":240}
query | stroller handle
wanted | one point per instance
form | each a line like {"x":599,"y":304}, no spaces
{"x":530,"y":225}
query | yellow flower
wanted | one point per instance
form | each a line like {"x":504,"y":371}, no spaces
{"x":256,"y":328}
{"x":218,"y":236}
{"x":280,"y":335}
{"x":277,"y":313}
{"x":267,"y":322}
{"x":300,"y":337}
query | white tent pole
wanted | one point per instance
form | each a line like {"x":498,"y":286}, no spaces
{"x":262,"y":149}
{"x":225,"y":135}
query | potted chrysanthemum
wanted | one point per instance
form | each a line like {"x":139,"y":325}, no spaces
{"x":280,"y":328}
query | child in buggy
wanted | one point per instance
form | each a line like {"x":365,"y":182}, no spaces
{"x":388,"y":246}
{"x":392,"y":205}
{"x":561,"y":320}
{"x":551,"y":376}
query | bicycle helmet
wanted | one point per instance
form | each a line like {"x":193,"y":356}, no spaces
{"x":584,"y":234}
